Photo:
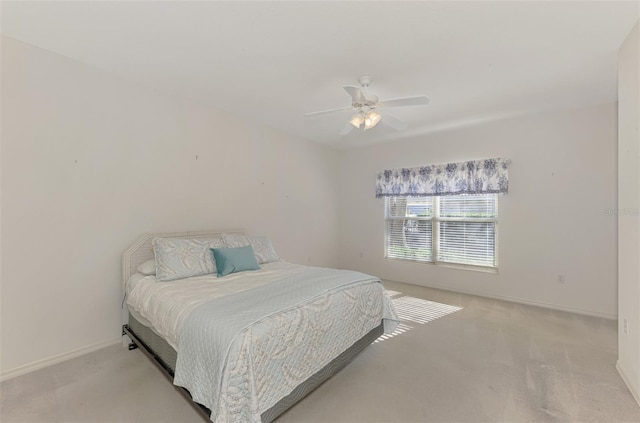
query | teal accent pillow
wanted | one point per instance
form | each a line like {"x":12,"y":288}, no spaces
{"x":232,"y":260}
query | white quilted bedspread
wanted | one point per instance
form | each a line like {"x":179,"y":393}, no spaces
{"x":239,"y":355}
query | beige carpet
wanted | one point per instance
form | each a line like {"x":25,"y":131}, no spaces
{"x":455,"y":358}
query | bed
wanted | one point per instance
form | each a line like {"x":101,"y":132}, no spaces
{"x":249,"y":345}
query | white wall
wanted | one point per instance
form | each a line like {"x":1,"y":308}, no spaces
{"x":91,"y":161}
{"x":629,"y":211}
{"x":553,"y":221}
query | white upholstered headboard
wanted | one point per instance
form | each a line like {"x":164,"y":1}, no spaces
{"x":142,"y":250}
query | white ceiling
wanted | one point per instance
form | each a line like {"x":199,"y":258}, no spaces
{"x":274,"y":61}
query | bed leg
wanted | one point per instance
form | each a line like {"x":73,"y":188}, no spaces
{"x":127,"y":340}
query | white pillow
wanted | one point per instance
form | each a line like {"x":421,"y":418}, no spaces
{"x":133,"y":281}
{"x":148,"y":267}
{"x":264,"y":251}
{"x":235,"y":240}
{"x":179,"y":258}
{"x":262,"y":247}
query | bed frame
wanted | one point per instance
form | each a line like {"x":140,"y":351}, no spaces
{"x":164,"y":356}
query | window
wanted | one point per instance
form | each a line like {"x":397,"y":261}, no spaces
{"x":453,"y":229}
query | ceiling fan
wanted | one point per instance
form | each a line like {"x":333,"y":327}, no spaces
{"x":365,"y":106}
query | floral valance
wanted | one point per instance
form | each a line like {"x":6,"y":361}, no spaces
{"x":473,"y":177}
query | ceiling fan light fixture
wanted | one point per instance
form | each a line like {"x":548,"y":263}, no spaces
{"x":357,"y":120}
{"x":364,"y":106}
{"x":372,"y":119}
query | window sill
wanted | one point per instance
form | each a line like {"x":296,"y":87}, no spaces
{"x":481,"y":269}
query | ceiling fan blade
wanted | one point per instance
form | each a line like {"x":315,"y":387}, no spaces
{"x":347,"y":129}
{"x":326,"y":112}
{"x":407,"y":101}
{"x":356,"y":93}
{"x":394,"y":122}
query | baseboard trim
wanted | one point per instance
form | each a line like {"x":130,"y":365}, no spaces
{"x":46,"y":362}
{"x":609,"y":316}
{"x":627,"y":381}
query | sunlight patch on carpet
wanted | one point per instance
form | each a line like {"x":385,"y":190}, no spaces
{"x":402,"y":328}
{"x":416,"y":310}
{"x":422,"y":311}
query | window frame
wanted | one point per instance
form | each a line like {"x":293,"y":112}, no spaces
{"x":435,"y":220}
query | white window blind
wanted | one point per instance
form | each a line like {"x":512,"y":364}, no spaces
{"x":409,"y":228}
{"x":456,"y":229}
